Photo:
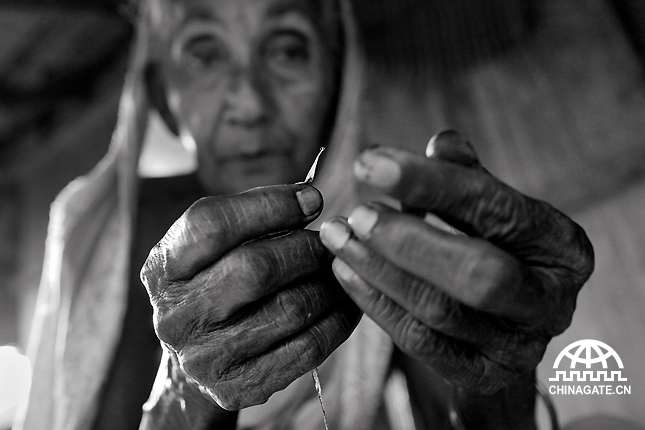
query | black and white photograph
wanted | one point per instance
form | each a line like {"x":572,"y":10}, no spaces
{"x":322,"y":215}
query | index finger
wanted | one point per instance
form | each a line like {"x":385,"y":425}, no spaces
{"x":212,"y":226}
{"x":475,"y":202}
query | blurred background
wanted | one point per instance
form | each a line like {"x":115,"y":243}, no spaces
{"x":552,"y":93}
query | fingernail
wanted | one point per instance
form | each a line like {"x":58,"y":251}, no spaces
{"x":362,"y":221}
{"x":334,"y":234}
{"x":342,"y":270}
{"x":377,"y":169}
{"x":432,"y":145}
{"x":452,"y":146}
{"x":309,"y":200}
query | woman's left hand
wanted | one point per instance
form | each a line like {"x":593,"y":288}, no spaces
{"x":478,"y":308}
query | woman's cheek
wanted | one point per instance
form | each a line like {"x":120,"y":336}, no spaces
{"x":201,"y":114}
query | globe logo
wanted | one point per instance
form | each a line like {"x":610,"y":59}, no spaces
{"x":588,"y":352}
{"x":602,"y":350}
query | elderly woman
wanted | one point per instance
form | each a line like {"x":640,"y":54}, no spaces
{"x":245,"y":300}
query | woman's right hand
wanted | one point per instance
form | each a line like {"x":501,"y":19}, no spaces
{"x":244,"y":314}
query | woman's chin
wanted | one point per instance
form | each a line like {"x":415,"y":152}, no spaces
{"x":236,"y":179}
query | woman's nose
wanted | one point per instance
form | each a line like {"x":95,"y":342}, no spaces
{"x":246,"y":103}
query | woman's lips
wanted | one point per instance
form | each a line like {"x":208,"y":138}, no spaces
{"x":250,"y":157}
{"x":261,"y":162}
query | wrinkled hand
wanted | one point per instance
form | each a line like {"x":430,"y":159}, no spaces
{"x":479,"y":308}
{"x":246,"y":317}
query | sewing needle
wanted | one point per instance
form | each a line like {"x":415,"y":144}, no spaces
{"x":312,"y":171}
{"x":308,"y":180}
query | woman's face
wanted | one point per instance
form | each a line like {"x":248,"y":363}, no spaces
{"x":249,"y":84}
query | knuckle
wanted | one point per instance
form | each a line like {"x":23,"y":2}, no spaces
{"x":306,"y":355}
{"x":518,"y":352}
{"x":415,"y":338}
{"x":224,"y":400}
{"x":293,"y":310}
{"x":571,"y":246}
{"x":149,"y":274}
{"x":487,"y":376}
{"x":236,"y":395}
{"x":203,"y":364}
{"x":197,"y":209}
{"x":442,"y":313}
{"x":583,"y":258}
{"x":436,"y":308}
{"x":323,"y":337}
{"x":242,"y":386}
{"x":519,"y":356}
{"x":191,"y":363}
{"x":381,"y":307}
{"x":227,"y":394}
{"x":314,"y":351}
{"x":497,"y":211}
{"x":196,"y":232}
{"x":228,"y":399}
{"x":204,"y":220}
{"x":493,"y":378}
{"x":174,"y":327}
{"x":153,"y":274}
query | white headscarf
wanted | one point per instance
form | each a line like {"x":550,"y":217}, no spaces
{"x":83,"y":292}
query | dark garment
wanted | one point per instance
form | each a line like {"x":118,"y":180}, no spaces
{"x":127,"y":387}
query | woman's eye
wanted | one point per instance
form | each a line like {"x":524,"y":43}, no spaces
{"x":287,"y":51}
{"x":203,"y":52}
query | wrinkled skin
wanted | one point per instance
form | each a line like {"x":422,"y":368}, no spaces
{"x":248,"y":84}
{"x":247,"y":315}
{"x":479,"y":308}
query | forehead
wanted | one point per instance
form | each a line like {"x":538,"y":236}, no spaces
{"x":236,"y":12}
